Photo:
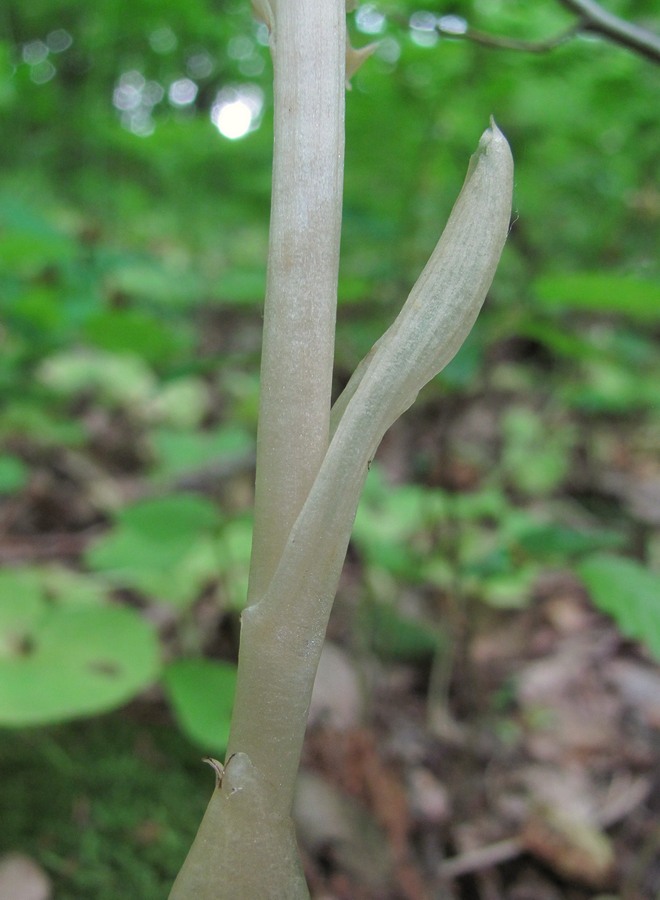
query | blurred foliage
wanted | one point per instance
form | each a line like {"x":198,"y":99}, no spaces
{"x":629,"y":592}
{"x":133,"y":240}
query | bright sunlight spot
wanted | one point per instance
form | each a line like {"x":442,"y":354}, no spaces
{"x":237,"y":110}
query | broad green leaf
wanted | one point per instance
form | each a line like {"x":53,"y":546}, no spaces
{"x":21,"y":606}
{"x":554,"y":541}
{"x":29,"y":592}
{"x":161,"y":547}
{"x":182,"y":451}
{"x":627,"y":591}
{"x":178,"y":517}
{"x":131,"y":331}
{"x":76,"y":662}
{"x":175,"y":579}
{"x":67,"y":587}
{"x":201,"y":692}
{"x":600,"y":293}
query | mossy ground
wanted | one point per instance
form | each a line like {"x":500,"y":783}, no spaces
{"x":107,"y":806}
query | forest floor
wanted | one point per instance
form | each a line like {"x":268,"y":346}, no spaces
{"x":518,"y":761}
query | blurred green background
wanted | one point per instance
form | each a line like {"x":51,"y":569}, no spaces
{"x":134,"y":200}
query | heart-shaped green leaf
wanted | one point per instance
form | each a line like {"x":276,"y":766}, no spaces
{"x":60,"y":662}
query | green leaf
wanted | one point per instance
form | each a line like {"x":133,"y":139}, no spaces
{"x":202,"y":694}
{"x":162,"y":547}
{"x":508,"y":589}
{"x":69,"y":662}
{"x":535,"y":458}
{"x":178,"y":518}
{"x":28,"y":243}
{"x":242,"y":287}
{"x":21,"y":606}
{"x":13,"y":474}
{"x":600,"y":293}
{"x":171,"y":287}
{"x":69,"y":588}
{"x":554,"y":541}
{"x":558,"y":339}
{"x":180,"y":451}
{"x":610,"y":387}
{"x":627,"y":591}
{"x":38,"y":311}
{"x":131,"y":331}
{"x":233,"y":552}
{"x":394,"y":636}
{"x":41,"y":425}
{"x":118,"y":380}
{"x":181,"y":403}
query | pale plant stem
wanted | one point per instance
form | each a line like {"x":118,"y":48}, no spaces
{"x":298,"y":343}
{"x":303,"y":261}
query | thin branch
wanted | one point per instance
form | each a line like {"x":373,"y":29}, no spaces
{"x":593,"y":19}
{"x":505,"y":43}
{"x":599,"y":21}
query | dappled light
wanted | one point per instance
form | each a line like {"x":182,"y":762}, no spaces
{"x":452,"y":24}
{"x":135,"y":98}
{"x":369,"y":19}
{"x":36,"y":54}
{"x":200,"y":64}
{"x":163,"y":39}
{"x":182,"y":92}
{"x":423,"y":29}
